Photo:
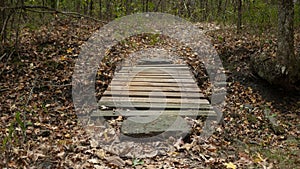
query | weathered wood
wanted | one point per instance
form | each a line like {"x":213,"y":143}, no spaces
{"x":150,"y":74}
{"x":143,"y":105}
{"x":128,"y":113}
{"x":154,"y":61}
{"x":156,"y":80}
{"x":151,"y":77}
{"x":154,"y":100}
{"x":153,"y":97}
{"x":150,"y":88}
{"x":157,"y":65}
{"x":153,"y":94}
{"x":152,"y":84}
{"x":155,"y":70}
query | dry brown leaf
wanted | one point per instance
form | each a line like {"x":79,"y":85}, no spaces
{"x":115,"y":160}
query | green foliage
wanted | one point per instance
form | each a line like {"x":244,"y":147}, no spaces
{"x":20,"y":122}
{"x":8,"y":138}
{"x":154,"y":39}
{"x":12,"y":135}
{"x":136,"y":162}
{"x":297,"y":15}
{"x":261,"y":15}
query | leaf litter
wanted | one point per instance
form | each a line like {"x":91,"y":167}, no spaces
{"x":37,"y":83}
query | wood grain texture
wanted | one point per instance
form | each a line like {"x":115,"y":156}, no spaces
{"x":157,"y":93}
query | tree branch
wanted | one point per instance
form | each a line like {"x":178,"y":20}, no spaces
{"x":50,"y":10}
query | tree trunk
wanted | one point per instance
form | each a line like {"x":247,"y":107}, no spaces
{"x":90,"y":7}
{"x":2,"y":20}
{"x":284,"y":70}
{"x":147,"y":5}
{"x":219,"y":7}
{"x":53,"y":4}
{"x":108,"y":10}
{"x":239,"y":21}
{"x":286,"y":53}
{"x":100,"y":9}
{"x":78,"y":5}
{"x":204,"y":9}
{"x":157,"y":6}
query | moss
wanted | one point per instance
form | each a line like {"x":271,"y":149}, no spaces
{"x":251,"y":118}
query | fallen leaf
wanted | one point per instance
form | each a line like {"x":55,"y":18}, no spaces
{"x":187,"y":146}
{"x":115,"y":160}
{"x":100,"y":154}
{"x":70,"y":50}
{"x":93,"y":160}
{"x":230,"y":165}
{"x":258,"y":158}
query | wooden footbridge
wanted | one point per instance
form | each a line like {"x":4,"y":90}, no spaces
{"x":154,"y":96}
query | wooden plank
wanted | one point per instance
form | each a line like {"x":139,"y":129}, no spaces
{"x":155,"y":91}
{"x":151,"y":77}
{"x":154,"y":73}
{"x":129,"y":113}
{"x":155,"y":61}
{"x":153,"y":94}
{"x":171,"y":72}
{"x":189,"y":82}
{"x":167,"y":66}
{"x":157,"y":65}
{"x":124,"y":83}
{"x":156,"y":80}
{"x":124,"y":104}
{"x":151,"y":74}
{"x":155,"y":70}
{"x":153,"y":88}
{"x":156,"y":100}
{"x":160,"y":71}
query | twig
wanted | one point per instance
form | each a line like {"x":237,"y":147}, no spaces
{"x":51,"y":10}
{"x":3,"y":56}
{"x":29,"y":98}
{"x":6,"y":62}
{"x":64,"y":85}
{"x":49,"y":83}
{"x":31,"y":91}
{"x":3,"y":90}
{"x":2,"y":32}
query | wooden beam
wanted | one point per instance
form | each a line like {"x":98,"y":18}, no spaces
{"x":128,"y":105}
{"x":156,"y":100}
{"x":153,"y":94}
{"x":129,"y":113}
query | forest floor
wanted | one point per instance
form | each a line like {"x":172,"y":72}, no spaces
{"x":39,"y":126}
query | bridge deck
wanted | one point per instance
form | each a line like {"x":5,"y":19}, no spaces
{"x":152,"y":97}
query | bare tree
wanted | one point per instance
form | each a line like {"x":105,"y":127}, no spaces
{"x":239,"y":21}
{"x":100,"y":9}
{"x":2,"y":20}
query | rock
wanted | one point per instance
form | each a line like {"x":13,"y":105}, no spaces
{"x":269,"y":69}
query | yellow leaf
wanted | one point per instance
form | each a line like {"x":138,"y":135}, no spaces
{"x":62,"y":58}
{"x":173,"y":153}
{"x":258,"y":159}
{"x":230,"y":165}
{"x":70,"y":50}
{"x":67,"y":136}
{"x":100,"y":154}
{"x":106,"y":136}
